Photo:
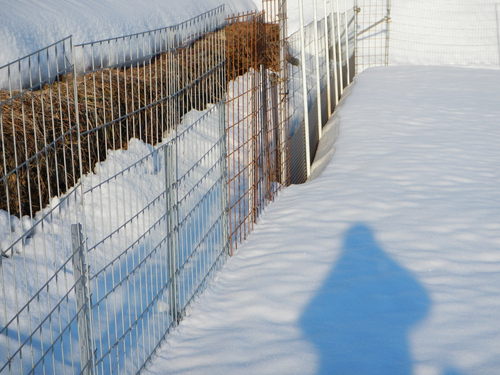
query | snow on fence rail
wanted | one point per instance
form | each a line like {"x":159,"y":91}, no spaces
{"x":133,"y":166}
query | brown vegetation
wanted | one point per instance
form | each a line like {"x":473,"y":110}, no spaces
{"x":251,"y":44}
{"x":39,"y":127}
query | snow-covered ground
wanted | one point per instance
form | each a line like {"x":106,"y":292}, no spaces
{"x":387,"y":261}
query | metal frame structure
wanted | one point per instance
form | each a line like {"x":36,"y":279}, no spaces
{"x":205,"y":141}
{"x":142,"y":110}
{"x":257,"y":116}
{"x":323,"y":56}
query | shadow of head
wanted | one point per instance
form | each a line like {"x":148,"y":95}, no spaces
{"x":361,"y":318}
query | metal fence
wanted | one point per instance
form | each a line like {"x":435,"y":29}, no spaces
{"x":461,"y":33}
{"x":149,"y":257}
{"x":133,"y":166}
{"x":392,"y":33}
{"x":373,"y":20}
{"x":113,"y":193}
{"x":39,"y":190}
{"x":257,"y":116}
{"x":322,"y":65}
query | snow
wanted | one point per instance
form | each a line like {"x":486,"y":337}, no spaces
{"x":26,"y":25}
{"x":386,"y":261}
{"x":455,"y":32}
{"x":114,"y":230}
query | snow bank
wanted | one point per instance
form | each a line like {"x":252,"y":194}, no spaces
{"x":26,"y":26}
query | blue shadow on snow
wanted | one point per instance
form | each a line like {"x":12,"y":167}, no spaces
{"x":361,"y":318}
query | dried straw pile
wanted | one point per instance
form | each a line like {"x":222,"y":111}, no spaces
{"x":39,"y":127}
{"x":251,"y":44}
{"x":38,"y":148}
{"x":201,"y":78}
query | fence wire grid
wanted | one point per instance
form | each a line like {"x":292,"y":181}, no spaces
{"x":257,"y":118}
{"x":321,"y":65}
{"x":132,"y":167}
{"x":115,"y":188}
{"x":124,"y":138}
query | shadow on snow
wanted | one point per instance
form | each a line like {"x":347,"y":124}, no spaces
{"x":361,"y":318}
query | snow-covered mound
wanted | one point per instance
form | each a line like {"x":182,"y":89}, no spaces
{"x":27,"y":25}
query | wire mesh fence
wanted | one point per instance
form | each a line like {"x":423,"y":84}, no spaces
{"x":133,"y":166}
{"x":150,"y":256}
{"x":115,"y":185}
{"x":373,"y":20}
{"x":462,"y":33}
{"x":37,"y":131}
{"x":137,"y":135}
{"x":257,"y":125}
{"x":321,"y":65}
{"x":391,"y":33}
{"x":38,"y":184}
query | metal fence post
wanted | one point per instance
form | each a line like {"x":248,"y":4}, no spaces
{"x":346,"y":34}
{"x":304,"y":87}
{"x":387,"y":33}
{"x":334,"y":50}
{"x":252,"y":148}
{"x":80,"y":272}
{"x":275,"y":160}
{"x":224,"y":195}
{"x":283,"y":140}
{"x":339,"y":46}
{"x":317,"y":72}
{"x":172,"y":230}
{"x":327,"y":59}
{"x":263,"y":142}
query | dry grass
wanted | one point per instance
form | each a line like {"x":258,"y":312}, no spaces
{"x":39,"y":127}
{"x":251,"y":44}
{"x":38,"y":148}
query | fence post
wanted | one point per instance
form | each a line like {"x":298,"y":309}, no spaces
{"x":283,"y":141}
{"x":317,"y":75}
{"x":339,"y":46}
{"x":327,"y":60}
{"x":262,"y":135}
{"x":224,"y":195}
{"x":275,"y":151}
{"x":172,"y":230}
{"x":252,"y":147}
{"x":304,"y":87}
{"x":357,"y":10}
{"x":334,"y":49}
{"x":80,"y":273}
{"x":387,"y":34}
{"x":346,"y":34}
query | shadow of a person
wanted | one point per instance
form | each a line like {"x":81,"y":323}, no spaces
{"x":361,"y":318}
